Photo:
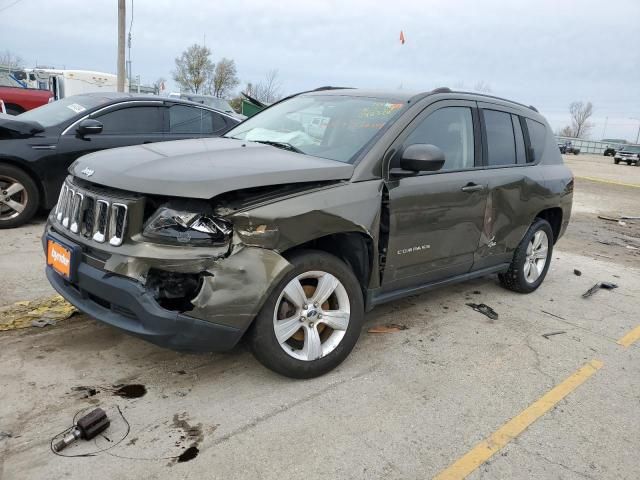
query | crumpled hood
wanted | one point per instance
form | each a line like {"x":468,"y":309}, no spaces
{"x":203,"y":168}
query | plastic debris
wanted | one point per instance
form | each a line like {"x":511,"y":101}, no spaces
{"x":484,"y":309}
{"x":37,"y":313}
{"x":598,"y":286}
{"x":550,"y":334}
{"x":610,"y":219}
{"x":389,"y":328}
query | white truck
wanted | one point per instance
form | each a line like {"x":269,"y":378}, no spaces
{"x":64,"y":83}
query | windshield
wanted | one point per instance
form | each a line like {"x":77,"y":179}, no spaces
{"x":60,"y":111}
{"x":631,"y":149}
{"x":328,"y":126}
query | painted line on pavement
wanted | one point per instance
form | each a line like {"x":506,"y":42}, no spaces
{"x":630,"y":337}
{"x":612,"y":182}
{"x":518,"y":424}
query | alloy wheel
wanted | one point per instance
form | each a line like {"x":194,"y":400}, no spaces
{"x":536,"y":259}
{"x":13,"y":198}
{"x":311,"y":315}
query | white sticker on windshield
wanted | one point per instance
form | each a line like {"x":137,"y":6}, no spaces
{"x":76,"y":107}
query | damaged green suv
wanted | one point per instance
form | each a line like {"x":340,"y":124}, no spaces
{"x":307,"y":215}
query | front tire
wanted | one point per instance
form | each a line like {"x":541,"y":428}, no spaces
{"x":616,"y":162}
{"x":19,"y":197}
{"x":531,"y":259}
{"x":312,"y":319}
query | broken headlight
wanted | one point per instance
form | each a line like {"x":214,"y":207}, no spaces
{"x":176,"y":226}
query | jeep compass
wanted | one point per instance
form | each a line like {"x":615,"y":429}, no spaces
{"x":302,"y":218}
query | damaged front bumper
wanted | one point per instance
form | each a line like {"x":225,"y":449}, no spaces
{"x":122,"y":290}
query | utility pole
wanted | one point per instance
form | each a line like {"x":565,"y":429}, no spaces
{"x":121,"y":30}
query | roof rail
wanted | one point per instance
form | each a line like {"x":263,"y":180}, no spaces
{"x":533,"y":108}
{"x":329,"y":87}
{"x":441,"y":90}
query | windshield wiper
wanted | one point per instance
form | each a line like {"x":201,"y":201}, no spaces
{"x":283,"y":145}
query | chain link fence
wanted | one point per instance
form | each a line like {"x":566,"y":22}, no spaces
{"x":589,"y":146}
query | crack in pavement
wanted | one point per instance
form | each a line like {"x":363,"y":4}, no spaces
{"x":538,"y":363}
{"x":283,"y":408}
{"x":548,"y":460}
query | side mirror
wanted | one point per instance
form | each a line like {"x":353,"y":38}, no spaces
{"x":89,"y":126}
{"x":421,"y":157}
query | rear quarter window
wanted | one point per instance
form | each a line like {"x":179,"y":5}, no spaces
{"x":537,"y":138}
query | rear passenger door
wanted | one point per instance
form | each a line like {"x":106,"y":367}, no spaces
{"x":186,"y":121}
{"x":514,"y":182}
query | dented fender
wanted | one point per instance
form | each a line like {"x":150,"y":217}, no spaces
{"x":238,"y":286}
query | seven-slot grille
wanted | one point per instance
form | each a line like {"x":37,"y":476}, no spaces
{"x":87,"y":214}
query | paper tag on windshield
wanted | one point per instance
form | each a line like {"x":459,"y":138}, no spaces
{"x":76,"y":107}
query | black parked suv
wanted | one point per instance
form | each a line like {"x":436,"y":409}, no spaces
{"x":629,"y":154}
{"x":306,"y":216}
{"x":567,"y":147}
{"x":37,"y":147}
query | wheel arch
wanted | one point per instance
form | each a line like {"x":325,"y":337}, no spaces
{"x":356,"y":249}
{"x":552,"y":215}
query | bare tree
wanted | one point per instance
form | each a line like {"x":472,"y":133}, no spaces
{"x":194,"y":68}
{"x":224,"y":79}
{"x":566,"y":131}
{"x":580,"y":114}
{"x":269,"y":90}
{"x":8,"y":59}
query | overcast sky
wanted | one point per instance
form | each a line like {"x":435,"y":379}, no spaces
{"x":546,"y":53}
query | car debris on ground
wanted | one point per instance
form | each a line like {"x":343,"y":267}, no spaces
{"x":598,"y":286}
{"x":484,"y":309}
{"x":389,"y":328}
{"x":35,"y":313}
{"x":577,"y":272}
{"x":551,"y":334}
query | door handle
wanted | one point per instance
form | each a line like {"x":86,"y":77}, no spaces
{"x":472,"y":187}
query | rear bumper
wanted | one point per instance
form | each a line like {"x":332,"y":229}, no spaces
{"x":126,"y":305}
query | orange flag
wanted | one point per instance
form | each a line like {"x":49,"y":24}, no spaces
{"x":401,"y":37}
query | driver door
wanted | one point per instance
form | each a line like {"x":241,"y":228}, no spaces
{"x":435,"y":218}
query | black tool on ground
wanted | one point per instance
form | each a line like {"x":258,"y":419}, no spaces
{"x":86,"y":428}
{"x":598,"y":286}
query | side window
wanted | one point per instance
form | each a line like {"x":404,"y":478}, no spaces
{"x":219,"y":123}
{"x":131,"y":121}
{"x":537,"y":137}
{"x":451,"y":130}
{"x":521,"y":155}
{"x":192,"y":120}
{"x":501,"y":145}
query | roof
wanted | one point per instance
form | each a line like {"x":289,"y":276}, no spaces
{"x":114,"y":97}
{"x":410,"y":96}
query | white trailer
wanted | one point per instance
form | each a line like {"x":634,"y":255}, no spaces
{"x":64,"y":83}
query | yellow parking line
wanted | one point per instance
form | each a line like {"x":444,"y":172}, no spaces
{"x":518,"y":424}
{"x":613,"y":182}
{"x":630,"y":337}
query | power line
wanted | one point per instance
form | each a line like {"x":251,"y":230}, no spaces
{"x":10,"y":5}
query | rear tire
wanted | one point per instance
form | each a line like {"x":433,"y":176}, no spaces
{"x":19,"y":197}
{"x":301,"y":342}
{"x":531,"y":259}
{"x":616,"y":162}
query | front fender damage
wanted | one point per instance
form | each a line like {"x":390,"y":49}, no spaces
{"x":230,"y":284}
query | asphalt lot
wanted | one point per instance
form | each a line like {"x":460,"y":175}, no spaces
{"x":409,"y":404}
